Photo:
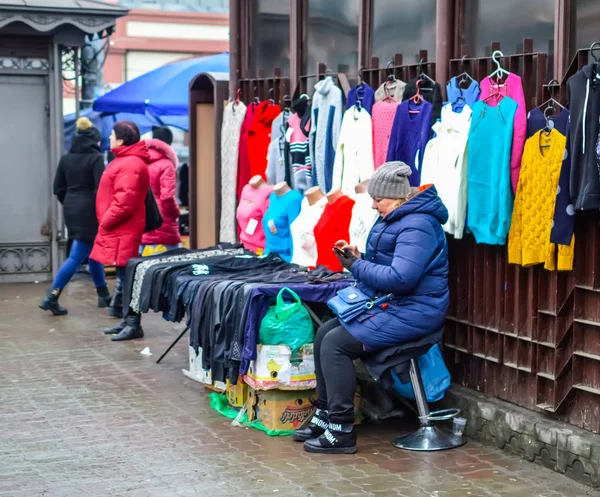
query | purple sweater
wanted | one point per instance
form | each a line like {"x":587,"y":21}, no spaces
{"x":410,"y":134}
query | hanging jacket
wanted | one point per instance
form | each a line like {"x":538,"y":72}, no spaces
{"x":394,"y":89}
{"x":121,"y":205}
{"x":406,"y":256}
{"x":163,"y":181}
{"x":584,"y":99}
{"x":302,"y":170}
{"x":432,"y":93}
{"x":233,"y":117}
{"x":513,"y":88}
{"x":384,"y":113}
{"x":326,"y":121}
{"x":354,"y":155}
{"x":564,"y":211}
{"x":278,"y":153}
{"x":445,"y":165}
{"x":243,"y":171}
{"x":75,"y":184}
{"x":409,"y":136}
{"x":363,"y":95}
{"x":259,"y":137}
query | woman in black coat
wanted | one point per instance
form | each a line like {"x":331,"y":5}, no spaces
{"x":75,"y":185}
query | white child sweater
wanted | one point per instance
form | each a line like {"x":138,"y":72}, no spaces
{"x":303,"y":237}
{"x":354,"y":154}
{"x":363,"y":219}
{"x":445,"y":165}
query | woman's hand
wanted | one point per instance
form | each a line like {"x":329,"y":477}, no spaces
{"x":347,"y":248}
{"x":346,"y":253}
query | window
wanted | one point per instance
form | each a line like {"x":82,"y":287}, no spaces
{"x":270,"y":36}
{"x":405,"y":29}
{"x":178,"y":5}
{"x":332,"y":35}
{"x":508,"y":22}
{"x":586,"y":22}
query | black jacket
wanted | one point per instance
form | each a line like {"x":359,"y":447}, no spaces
{"x":584,"y":98}
{"x":75,"y":185}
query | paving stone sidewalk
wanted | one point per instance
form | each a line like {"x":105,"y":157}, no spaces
{"x":81,"y":416}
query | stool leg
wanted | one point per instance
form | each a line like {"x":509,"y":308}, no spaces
{"x":427,"y":438}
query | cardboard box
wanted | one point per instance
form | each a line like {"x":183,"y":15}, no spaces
{"x":280,"y":409}
{"x":199,"y":374}
{"x":237,"y":395}
{"x":274,"y":369}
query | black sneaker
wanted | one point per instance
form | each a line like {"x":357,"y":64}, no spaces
{"x":337,"y":439}
{"x":317,"y":426}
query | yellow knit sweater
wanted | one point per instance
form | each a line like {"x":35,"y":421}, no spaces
{"x":529,"y":236}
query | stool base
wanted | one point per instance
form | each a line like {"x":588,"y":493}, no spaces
{"x":429,"y":439}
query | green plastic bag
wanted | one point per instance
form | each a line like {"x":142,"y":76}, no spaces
{"x":287,"y":323}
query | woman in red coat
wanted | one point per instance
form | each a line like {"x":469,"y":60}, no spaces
{"x":120,"y":204}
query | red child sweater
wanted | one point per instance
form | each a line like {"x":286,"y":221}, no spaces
{"x":259,"y":137}
{"x":243,"y":173}
{"x":333,"y":225}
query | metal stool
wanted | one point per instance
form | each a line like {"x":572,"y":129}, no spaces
{"x":428,"y":437}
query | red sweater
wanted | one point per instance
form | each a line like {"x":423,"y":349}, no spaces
{"x":243,"y":173}
{"x":333,"y":225}
{"x":259,"y":137}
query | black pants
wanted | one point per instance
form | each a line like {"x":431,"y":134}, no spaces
{"x":335,"y":349}
{"x":120,"y":271}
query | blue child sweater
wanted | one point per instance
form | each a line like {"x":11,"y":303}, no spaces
{"x":363,"y":93}
{"x":277,"y":220}
{"x":409,"y":136}
{"x":490,"y":200}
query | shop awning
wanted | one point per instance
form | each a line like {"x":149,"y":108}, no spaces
{"x":162,"y":92}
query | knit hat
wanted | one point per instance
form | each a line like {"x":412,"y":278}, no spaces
{"x":86,"y":128}
{"x":391,"y":181}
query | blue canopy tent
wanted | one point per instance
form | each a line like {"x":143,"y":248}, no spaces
{"x":163,"y":92}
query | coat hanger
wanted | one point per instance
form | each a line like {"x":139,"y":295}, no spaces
{"x":500,"y":71}
{"x":256,"y":99}
{"x":594,"y":46}
{"x":390,"y":70}
{"x":463,"y":77}
{"x":552,"y":102}
{"x":417,"y":99}
{"x":423,"y":77}
{"x":271,"y":95}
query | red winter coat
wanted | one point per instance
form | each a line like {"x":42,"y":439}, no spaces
{"x":259,"y":137}
{"x":120,"y":205}
{"x":163,"y":181}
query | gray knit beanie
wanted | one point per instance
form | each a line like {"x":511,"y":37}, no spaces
{"x":391,"y":181}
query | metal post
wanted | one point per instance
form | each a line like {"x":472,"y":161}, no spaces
{"x":77,"y":74}
{"x":172,"y":345}
{"x":421,"y":399}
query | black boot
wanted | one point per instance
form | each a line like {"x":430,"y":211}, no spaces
{"x":116,"y":329}
{"x":317,"y":426}
{"x":115,"y":309}
{"x":104,"y":298}
{"x":132,"y":330}
{"x":337,"y":439}
{"x":50,"y":302}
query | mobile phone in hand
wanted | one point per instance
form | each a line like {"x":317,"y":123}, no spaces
{"x":339,"y":251}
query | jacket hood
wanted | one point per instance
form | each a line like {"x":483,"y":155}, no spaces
{"x":324,"y":85}
{"x":266,"y":112}
{"x":426,"y":201}
{"x":83,"y":144}
{"x":160,"y":150}
{"x":139,"y":149}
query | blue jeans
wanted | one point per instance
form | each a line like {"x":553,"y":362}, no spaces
{"x":79,"y":251}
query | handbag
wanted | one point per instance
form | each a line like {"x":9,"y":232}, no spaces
{"x":154,"y":219}
{"x":350,"y":302}
{"x":434,"y":373}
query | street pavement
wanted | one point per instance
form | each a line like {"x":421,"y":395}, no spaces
{"x":81,"y":416}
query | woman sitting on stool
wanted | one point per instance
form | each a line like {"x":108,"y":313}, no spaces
{"x":406,"y":256}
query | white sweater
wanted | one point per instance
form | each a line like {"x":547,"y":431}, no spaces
{"x":354,"y":154}
{"x":303,"y":237}
{"x":445,"y":165}
{"x":363,"y":219}
{"x":230,"y":142}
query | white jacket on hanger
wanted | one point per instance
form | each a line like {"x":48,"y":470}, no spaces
{"x":233,"y":117}
{"x":445,"y":165}
{"x":303,"y":236}
{"x":354,"y":154}
{"x":363,"y":219}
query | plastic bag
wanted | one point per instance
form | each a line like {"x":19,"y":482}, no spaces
{"x":287,"y":323}
{"x":434,"y":373}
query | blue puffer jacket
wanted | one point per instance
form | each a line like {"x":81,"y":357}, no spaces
{"x":406,"y":255}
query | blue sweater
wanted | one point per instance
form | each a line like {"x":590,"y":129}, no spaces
{"x":460,"y":97}
{"x":407,"y":256}
{"x":277,"y":220}
{"x":409,"y":136}
{"x":490,"y":204}
{"x":364,"y":93}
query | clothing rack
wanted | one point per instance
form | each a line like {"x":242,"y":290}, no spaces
{"x":376,"y":75}
{"x":264,"y":87}
{"x":304,"y":85}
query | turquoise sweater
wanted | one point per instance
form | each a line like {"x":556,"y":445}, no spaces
{"x":490,"y":199}
{"x":276,"y":222}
